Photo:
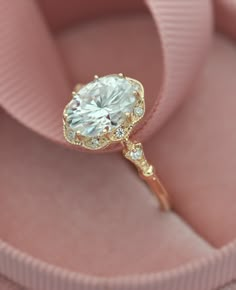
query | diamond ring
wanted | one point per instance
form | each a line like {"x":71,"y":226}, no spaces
{"x":104,"y":112}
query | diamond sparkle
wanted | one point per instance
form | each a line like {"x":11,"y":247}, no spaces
{"x":101,"y":105}
{"x":120,"y":133}
{"x":136,"y":154}
{"x":138,"y":111}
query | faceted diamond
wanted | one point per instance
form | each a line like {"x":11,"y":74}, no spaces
{"x":138,"y":111}
{"x":101,"y":105}
{"x":136,"y":154}
{"x":120,"y":133}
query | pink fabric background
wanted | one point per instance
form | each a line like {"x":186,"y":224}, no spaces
{"x":52,"y":205}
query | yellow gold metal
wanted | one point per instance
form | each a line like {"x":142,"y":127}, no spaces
{"x":146,"y":171}
{"x":132,"y":150}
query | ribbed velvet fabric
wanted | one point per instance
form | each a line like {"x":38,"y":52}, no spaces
{"x":6,"y":284}
{"x":185,"y":29}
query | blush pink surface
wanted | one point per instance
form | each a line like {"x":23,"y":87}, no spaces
{"x":89,"y":213}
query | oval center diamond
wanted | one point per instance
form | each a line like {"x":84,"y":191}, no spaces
{"x":101,"y":105}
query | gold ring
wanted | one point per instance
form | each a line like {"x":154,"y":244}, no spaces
{"x":104,"y":112}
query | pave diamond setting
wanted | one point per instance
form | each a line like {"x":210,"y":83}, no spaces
{"x":104,"y":109}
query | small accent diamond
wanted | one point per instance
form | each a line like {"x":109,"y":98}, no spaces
{"x":70,"y":135}
{"x":94,"y":142}
{"x":120,"y":133}
{"x":138,"y":111}
{"x":136,"y":154}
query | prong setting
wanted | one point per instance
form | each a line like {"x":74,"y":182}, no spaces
{"x":108,"y":136}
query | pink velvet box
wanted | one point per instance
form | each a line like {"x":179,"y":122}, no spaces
{"x":71,"y":220}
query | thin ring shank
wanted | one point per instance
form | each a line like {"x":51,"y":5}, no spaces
{"x":159,"y":190}
{"x":133,"y":151}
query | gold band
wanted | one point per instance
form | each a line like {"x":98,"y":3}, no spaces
{"x":133,"y":151}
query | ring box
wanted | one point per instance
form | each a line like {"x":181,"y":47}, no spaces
{"x":73,"y":220}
